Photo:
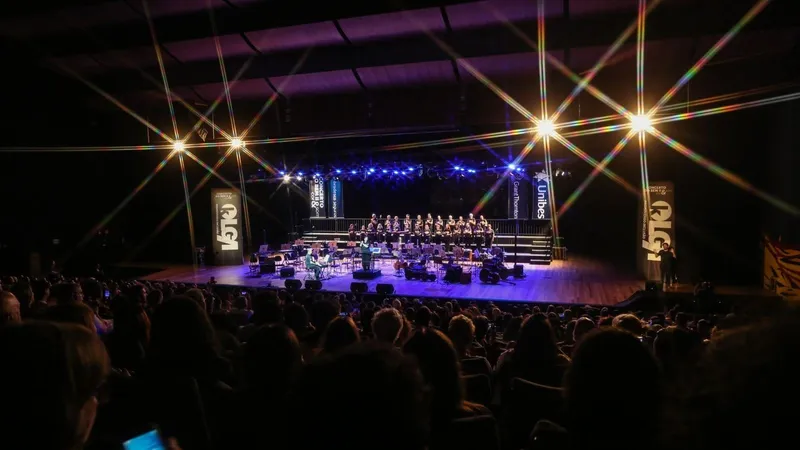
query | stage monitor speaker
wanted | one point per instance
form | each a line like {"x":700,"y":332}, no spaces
{"x":313,"y":285}
{"x":293,"y":285}
{"x":518,"y":271}
{"x":287,"y":272}
{"x":358,"y":287}
{"x":453,"y":274}
{"x":384,"y":289}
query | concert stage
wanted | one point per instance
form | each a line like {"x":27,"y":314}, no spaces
{"x":577,"y":281}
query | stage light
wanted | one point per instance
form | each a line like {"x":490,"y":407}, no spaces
{"x":384,"y":171}
{"x":641,"y":123}
{"x":237,"y":143}
{"x":410,"y":169}
{"x":511,"y":167}
{"x":546,"y":127}
{"x":471,"y":170}
{"x":282,"y":172}
{"x":403,"y":172}
{"x":299,"y":178}
{"x":316,"y":174}
{"x":300,"y":173}
{"x":457,"y":168}
{"x":178,"y":146}
{"x":352,"y":172}
{"x":394,"y":172}
{"x":287,"y":178}
{"x":371,"y":170}
{"x":338,"y":171}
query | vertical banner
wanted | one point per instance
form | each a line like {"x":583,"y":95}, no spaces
{"x":656,"y":226}
{"x":518,"y":197}
{"x":227,"y":226}
{"x":541,"y":197}
{"x":316,"y":196}
{"x":335,"y":199}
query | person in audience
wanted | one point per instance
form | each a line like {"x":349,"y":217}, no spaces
{"x":72,"y":293}
{"x":629,"y":323}
{"x":128,"y":341}
{"x":10,"y":311}
{"x":438,"y":361}
{"x":24,"y":294}
{"x":239,"y":312}
{"x":51,"y":373}
{"x":386,"y":411}
{"x":341,"y":332}
{"x":77,"y":313}
{"x":322,"y":313}
{"x":462,"y":334}
{"x":387,"y":325}
{"x":580,"y":328}
{"x":422,"y":317}
{"x":296,"y":318}
{"x":266,"y":309}
{"x":677,"y":349}
{"x":272,"y":362}
{"x":612,"y":392}
{"x":536,"y":356}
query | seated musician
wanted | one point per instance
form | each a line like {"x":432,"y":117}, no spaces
{"x":471,"y":221}
{"x":312,"y":264}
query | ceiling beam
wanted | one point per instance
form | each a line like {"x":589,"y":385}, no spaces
{"x":575,"y":33}
{"x":258,"y":16}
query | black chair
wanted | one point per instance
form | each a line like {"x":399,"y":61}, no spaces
{"x":475,"y":366}
{"x":527,"y":404}
{"x":478,"y":388}
{"x":471,"y":433}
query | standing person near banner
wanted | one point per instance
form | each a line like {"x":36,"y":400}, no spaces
{"x":667,"y":255}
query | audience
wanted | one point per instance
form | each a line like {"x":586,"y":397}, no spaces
{"x":215,"y":367}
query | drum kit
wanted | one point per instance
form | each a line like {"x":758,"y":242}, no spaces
{"x":494,"y":270}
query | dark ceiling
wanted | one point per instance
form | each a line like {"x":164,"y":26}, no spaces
{"x":362,"y":50}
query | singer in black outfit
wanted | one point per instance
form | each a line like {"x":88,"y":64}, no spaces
{"x":667,"y":255}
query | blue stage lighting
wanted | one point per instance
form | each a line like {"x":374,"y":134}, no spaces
{"x":512,"y":167}
{"x":384,"y":171}
{"x":316,"y":174}
{"x":410,"y":169}
{"x":403,"y":172}
{"x":338,"y":171}
{"x":394,"y":172}
{"x":282,"y":172}
{"x":457,"y":168}
{"x":352,"y":172}
{"x":471,"y":170}
{"x":300,"y":173}
{"x":371,"y":170}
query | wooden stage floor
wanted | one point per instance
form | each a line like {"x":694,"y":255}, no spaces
{"x":567,"y":282}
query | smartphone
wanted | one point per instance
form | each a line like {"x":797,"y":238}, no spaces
{"x":244,"y":293}
{"x":343,"y":314}
{"x":150,"y":440}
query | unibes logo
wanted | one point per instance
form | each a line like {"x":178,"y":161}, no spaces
{"x":227,"y":227}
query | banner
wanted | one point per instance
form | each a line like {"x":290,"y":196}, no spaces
{"x":656,"y":226}
{"x":335,"y":199}
{"x":518,"y":197}
{"x":541,"y":197}
{"x":316,"y":196}
{"x":227,"y":227}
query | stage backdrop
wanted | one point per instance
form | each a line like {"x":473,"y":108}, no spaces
{"x":335,"y":199}
{"x":541,"y":197}
{"x":227,"y":226}
{"x":316,"y":197}
{"x":656,"y":226}
{"x":518,"y":197}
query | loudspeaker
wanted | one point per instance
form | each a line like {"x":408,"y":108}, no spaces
{"x":287,"y":272}
{"x":466,"y":278}
{"x":384,"y":289}
{"x":313,"y":285}
{"x":293,"y":285}
{"x":453,"y":274}
{"x":358,"y":288}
